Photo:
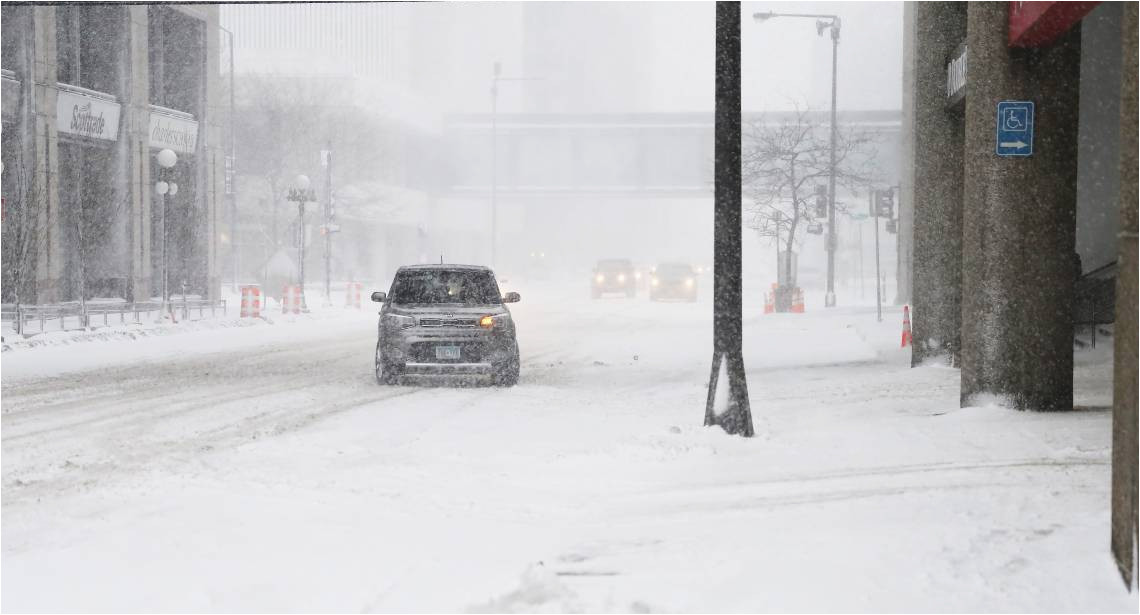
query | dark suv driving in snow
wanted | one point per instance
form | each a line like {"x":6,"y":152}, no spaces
{"x":446,"y":320}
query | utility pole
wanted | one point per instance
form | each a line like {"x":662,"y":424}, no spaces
{"x":328,"y":222}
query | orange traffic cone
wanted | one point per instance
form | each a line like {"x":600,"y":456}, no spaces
{"x":906,"y":339}
{"x":769,"y":303}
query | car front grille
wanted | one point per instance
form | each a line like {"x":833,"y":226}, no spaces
{"x":449,"y":322}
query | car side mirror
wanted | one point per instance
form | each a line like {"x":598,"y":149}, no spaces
{"x":511,"y":297}
{"x":378,"y":297}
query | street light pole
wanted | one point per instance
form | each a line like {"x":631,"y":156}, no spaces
{"x":166,"y":160}
{"x":494,"y":164}
{"x":824,"y":22}
{"x":496,"y":77}
{"x":829,"y":299}
{"x":300,"y":193}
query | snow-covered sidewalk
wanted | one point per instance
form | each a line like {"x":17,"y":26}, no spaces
{"x":271,"y":473}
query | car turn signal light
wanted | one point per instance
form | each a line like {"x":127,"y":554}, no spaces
{"x":487,"y":322}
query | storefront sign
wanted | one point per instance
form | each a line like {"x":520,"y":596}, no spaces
{"x":1037,"y":24}
{"x":87,"y":116}
{"x":170,"y":132}
{"x":956,"y":77}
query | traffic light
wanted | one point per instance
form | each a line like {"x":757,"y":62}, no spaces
{"x":885,"y":203}
{"x":820,"y":201}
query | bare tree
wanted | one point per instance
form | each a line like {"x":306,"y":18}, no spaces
{"x":784,"y":161}
{"x":25,"y":221}
{"x":282,"y":125}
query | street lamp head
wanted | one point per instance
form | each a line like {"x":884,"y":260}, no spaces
{"x":166,"y":158}
{"x":762,"y":17}
{"x":162,"y":187}
{"x":301,"y":183}
{"x":173,"y":189}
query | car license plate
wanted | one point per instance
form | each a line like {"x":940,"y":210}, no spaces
{"x":447,"y":352}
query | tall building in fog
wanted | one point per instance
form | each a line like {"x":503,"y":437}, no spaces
{"x":592,"y":56}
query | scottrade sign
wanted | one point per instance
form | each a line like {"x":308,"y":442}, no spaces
{"x":87,"y":116}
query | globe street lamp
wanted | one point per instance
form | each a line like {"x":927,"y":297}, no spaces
{"x":301,"y":193}
{"x":166,"y":160}
{"x":823,"y":22}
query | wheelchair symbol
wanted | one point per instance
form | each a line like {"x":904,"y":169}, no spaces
{"x":1015,"y":119}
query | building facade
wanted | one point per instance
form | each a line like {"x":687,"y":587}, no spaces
{"x":1009,"y":232}
{"x":91,"y":93}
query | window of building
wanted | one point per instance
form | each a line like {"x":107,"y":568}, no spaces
{"x":11,"y":39}
{"x":177,"y":59}
{"x":90,"y":41}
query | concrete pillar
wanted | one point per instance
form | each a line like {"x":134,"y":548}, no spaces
{"x":1124,"y":414}
{"x":939,"y":28}
{"x":136,"y":115}
{"x":905,"y":243}
{"x":211,"y":167}
{"x":1019,"y":220}
{"x":49,"y":270}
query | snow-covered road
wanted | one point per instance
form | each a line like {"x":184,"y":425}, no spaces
{"x":262,"y":468}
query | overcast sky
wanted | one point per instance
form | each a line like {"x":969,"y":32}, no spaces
{"x":597,"y":56}
{"x":784,"y":59}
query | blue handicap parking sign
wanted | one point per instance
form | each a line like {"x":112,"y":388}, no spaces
{"x":1014,"y":128}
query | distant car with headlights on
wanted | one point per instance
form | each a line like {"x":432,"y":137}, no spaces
{"x":446,"y":320}
{"x":615,"y":275}
{"x":673,"y":281}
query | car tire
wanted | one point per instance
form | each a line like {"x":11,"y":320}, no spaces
{"x":507,"y":374}
{"x":386,"y":373}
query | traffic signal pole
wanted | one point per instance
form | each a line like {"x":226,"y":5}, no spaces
{"x":878,"y":277}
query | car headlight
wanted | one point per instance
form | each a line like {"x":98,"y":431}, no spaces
{"x":600,"y":278}
{"x":398,"y":321}
{"x":637,"y":275}
{"x":494,"y":321}
{"x":688,"y":282}
{"x":655,"y":282}
{"x":621,"y":278}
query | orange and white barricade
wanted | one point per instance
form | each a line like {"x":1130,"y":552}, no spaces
{"x":251,"y":301}
{"x":291,"y":299}
{"x":352,"y":294}
{"x":798,"y":301}
{"x":769,"y":303}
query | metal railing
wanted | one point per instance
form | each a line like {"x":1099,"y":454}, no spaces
{"x":1094,"y":299}
{"x":34,"y":319}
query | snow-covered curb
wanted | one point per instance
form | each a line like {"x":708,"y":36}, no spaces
{"x":119,"y":333}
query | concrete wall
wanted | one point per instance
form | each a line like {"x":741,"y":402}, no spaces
{"x":1098,"y":154}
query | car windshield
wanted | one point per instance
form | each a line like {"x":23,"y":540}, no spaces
{"x":674,"y":271}
{"x":453,"y":286}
